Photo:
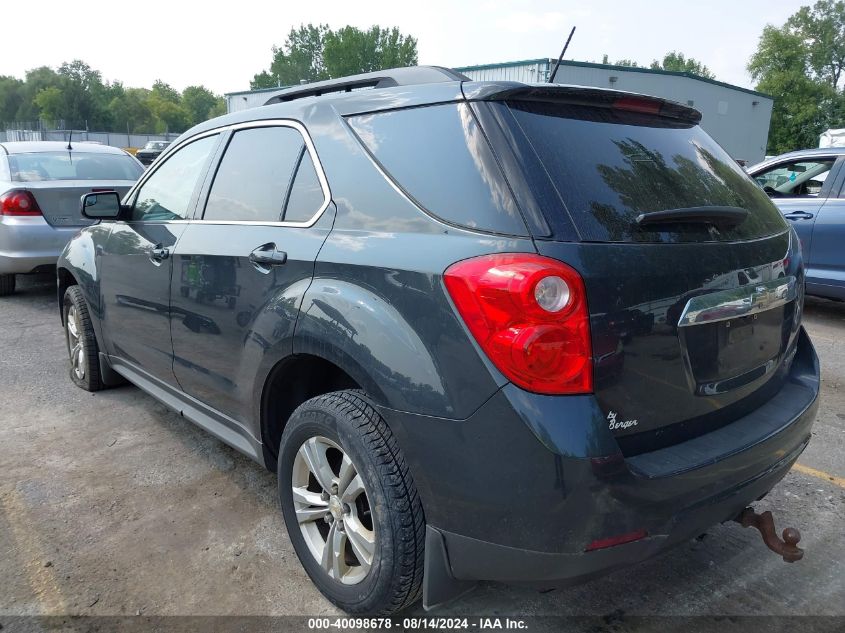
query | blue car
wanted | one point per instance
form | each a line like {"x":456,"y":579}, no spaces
{"x":808,"y":187}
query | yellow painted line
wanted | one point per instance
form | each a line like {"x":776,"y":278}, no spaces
{"x":42,"y":580}
{"x":820,"y":474}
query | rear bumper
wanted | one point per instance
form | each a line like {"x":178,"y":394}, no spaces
{"x":28,"y":243}
{"x":520,"y":489}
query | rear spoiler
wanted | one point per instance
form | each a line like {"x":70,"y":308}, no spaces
{"x":581,"y":95}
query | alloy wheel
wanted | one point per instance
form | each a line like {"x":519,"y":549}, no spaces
{"x":333,"y":510}
{"x":74,"y":343}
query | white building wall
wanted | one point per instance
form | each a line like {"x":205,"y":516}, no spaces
{"x":237,"y":101}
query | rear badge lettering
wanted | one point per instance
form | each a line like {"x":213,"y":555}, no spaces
{"x":613,"y":425}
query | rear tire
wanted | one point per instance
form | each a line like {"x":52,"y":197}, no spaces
{"x":81,"y":342}
{"x":378,"y":528}
{"x":7,"y":284}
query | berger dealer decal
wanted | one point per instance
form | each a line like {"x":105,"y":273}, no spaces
{"x":614,"y":425}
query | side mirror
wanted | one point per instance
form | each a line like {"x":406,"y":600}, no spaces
{"x":104,"y":205}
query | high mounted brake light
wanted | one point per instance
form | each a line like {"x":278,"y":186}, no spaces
{"x":19,"y":202}
{"x":633,"y":104}
{"x":529,"y":315}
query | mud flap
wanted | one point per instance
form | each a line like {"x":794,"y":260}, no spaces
{"x":439,"y":586}
{"x":108,"y":375}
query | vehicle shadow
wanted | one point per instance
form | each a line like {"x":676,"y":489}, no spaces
{"x":827,"y":309}
{"x":41,"y":284}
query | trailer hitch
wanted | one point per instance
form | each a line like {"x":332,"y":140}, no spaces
{"x":765,"y":523}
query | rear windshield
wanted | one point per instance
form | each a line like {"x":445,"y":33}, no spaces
{"x":39,"y":166}
{"x":606,"y":167}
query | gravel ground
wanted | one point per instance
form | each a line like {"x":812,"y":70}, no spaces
{"x":111,"y":505}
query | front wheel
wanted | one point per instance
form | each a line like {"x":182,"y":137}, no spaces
{"x":81,"y":342}
{"x":350,"y":505}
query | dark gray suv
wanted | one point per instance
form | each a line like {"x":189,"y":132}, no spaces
{"x":481,"y":331}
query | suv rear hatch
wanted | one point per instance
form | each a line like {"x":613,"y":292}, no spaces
{"x":694,"y":311}
{"x":57,"y":180}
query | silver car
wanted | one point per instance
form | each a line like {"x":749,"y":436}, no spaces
{"x":40,"y":186}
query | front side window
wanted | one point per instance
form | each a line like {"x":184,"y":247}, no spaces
{"x":799,"y":179}
{"x":253,"y":178}
{"x":167,"y":193}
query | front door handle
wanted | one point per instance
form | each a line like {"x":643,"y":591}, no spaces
{"x":799,"y":215}
{"x":267,"y":255}
{"x":159,"y":253}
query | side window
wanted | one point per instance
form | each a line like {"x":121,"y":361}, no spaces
{"x":306,"y":194}
{"x":440,"y":157}
{"x":801,"y":179}
{"x":168,"y":191}
{"x":254,"y":174}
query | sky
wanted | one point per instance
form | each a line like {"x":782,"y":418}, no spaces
{"x":223,"y":44}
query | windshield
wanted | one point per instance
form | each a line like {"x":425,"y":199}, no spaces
{"x":608,"y":166}
{"x":156,"y":145}
{"x":39,"y":166}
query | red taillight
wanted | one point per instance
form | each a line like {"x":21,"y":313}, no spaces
{"x":602,"y":543}
{"x":18,"y":202}
{"x":529,"y":315}
{"x":634,"y":104}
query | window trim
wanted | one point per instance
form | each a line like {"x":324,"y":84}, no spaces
{"x":217,"y":157}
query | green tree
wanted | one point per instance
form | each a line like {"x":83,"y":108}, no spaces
{"x":166,"y":105}
{"x":82,"y":102}
{"x":822,"y":31}
{"x":10,"y":97}
{"x":300,"y":58}
{"x":349,"y":50}
{"x":312,"y":53}
{"x":800,"y":64}
{"x":673,"y":61}
{"x":36,"y":80}
{"x":198,"y":101}
{"x":679,"y":63}
{"x":130,"y":110}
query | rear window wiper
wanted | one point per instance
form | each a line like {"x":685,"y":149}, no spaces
{"x":721,"y":217}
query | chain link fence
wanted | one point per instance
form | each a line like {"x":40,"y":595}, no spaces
{"x":56,"y":131}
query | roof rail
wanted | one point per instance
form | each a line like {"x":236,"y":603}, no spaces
{"x":409,"y":76}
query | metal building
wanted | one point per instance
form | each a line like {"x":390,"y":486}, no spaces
{"x":738,"y":118}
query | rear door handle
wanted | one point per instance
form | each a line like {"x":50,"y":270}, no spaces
{"x":159,"y":253}
{"x":267,"y":255}
{"x":799,"y":215}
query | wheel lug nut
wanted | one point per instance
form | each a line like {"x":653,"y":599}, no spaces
{"x":324,"y":495}
{"x":334,"y":489}
{"x":346,"y":508}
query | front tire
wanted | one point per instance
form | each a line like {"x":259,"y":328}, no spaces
{"x":350,"y":505}
{"x":81,"y":342}
{"x":7,"y":284}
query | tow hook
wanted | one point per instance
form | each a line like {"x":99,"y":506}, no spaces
{"x":765,"y":523}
